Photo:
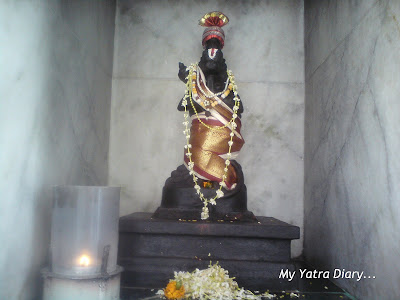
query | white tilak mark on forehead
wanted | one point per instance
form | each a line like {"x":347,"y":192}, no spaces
{"x":212,"y":52}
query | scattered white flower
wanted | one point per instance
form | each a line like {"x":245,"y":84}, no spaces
{"x":235,"y":108}
{"x":160,"y":292}
{"x":191,"y":165}
{"x":231,"y":134}
{"x":220,"y":193}
{"x":293,"y":295}
{"x":227,"y":162}
{"x":184,"y":103}
{"x":206,"y":103}
{"x":212,"y":201}
{"x":185,"y":123}
{"x":188,"y":154}
{"x":268,"y":295}
{"x":230,"y":143}
{"x":234,"y":116}
{"x":197,"y":187}
{"x":226,"y":169}
{"x":234,"y":125}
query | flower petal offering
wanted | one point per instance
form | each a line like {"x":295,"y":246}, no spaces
{"x":209,"y":284}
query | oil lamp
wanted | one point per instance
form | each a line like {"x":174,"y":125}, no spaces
{"x":84,"y":244}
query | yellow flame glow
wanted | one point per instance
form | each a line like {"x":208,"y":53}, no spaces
{"x":84,"y":260}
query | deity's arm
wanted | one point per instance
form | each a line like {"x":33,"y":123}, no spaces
{"x":183,"y":72}
{"x":241,"y":108}
{"x":230,"y":102}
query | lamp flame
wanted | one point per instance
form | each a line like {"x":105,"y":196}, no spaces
{"x":84,"y":260}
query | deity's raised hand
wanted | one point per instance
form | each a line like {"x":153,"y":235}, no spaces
{"x":183,"y":73}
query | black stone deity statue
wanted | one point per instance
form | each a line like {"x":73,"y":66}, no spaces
{"x":210,"y":183}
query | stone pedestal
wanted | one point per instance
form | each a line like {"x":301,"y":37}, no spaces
{"x":59,"y":287}
{"x":150,"y":250}
{"x":180,"y":200}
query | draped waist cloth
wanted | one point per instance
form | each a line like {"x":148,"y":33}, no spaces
{"x":210,"y":146}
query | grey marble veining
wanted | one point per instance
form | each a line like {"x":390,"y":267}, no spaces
{"x":55,"y":93}
{"x":265,"y":35}
{"x":264,"y":49}
{"x":328,"y":25}
{"x":352,"y":204}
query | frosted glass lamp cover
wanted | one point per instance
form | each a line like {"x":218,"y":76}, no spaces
{"x":84,"y":232}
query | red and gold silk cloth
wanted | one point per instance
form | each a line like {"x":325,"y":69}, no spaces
{"x":210,"y":146}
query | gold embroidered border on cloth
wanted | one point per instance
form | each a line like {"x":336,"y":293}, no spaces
{"x":210,"y":143}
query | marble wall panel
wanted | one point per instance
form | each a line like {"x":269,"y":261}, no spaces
{"x":266,"y":35}
{"x":147,"y":140}
{"x":264,"y":48}
{"x":272,"y":157}
{"x":54,"y":119}
{"x":351,"y":139}
{"x":329,"y":24}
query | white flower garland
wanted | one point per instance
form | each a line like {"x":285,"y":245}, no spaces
{"x":190,"y":88}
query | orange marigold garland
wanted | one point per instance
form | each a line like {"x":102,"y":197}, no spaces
{"x":174,"y":290}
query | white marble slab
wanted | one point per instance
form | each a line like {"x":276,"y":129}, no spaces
{"x":146,"y":140}
{"x":272,"y":158}
{"x":54,"y":119}
{"x":153,"y":36}
{"x":352,"y":169}
{"x":328,"y":25}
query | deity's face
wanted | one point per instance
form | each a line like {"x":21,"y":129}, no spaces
{"x":212,"y":59}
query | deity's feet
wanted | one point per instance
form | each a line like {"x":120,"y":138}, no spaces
{"x":181,"y":202}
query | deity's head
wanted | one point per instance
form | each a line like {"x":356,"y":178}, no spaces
{"x":212,"y":59}
{"x":213,"y":21}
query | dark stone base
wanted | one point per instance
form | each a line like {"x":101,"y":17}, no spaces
{"x":150,"y":250}
{"x":180,"y":200}
{"x":195,"y":214}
